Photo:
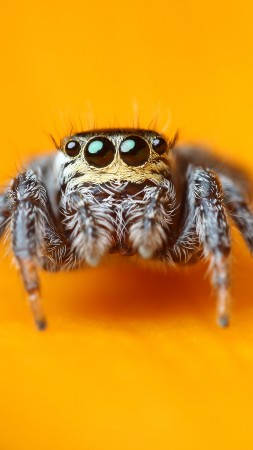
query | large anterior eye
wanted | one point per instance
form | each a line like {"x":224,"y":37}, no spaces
{"x":134,"y":151}
{"x":159,"y":145}
{"x":72,"y":148}
{"x":99,"y":152}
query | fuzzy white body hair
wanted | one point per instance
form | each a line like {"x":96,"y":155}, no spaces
{"x":100,"y":219}
{"x":148,"y":220}
{"x":90,"y":223}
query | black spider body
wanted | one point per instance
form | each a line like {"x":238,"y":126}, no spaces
{"x":126,"y":191}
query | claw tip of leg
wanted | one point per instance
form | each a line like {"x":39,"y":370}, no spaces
{"x":223,"y":321}
{"x":41,"y":325}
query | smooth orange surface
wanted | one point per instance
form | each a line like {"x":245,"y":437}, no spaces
{"x":132,"y":359}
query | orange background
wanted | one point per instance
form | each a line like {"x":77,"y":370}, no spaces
{"x":132,"y":358}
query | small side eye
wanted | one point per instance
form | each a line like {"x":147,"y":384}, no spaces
{"x":99,"y":152}
{"x":134,"y":151}
{"x":72,"y":148}
{"x":159,"y":145}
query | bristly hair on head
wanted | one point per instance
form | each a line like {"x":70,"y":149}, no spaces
{"x":172,"y":142}
{"x":57,"y":146}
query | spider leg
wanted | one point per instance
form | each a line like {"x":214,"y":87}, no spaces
{"x":206,"y":225}
{"x":237,"y":187}
{"x":214,"y":233}
{"x":5,"y":212}
{"x":30,"y":225}
{"x":238,"y":204}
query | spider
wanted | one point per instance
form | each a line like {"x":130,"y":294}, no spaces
{"x":127,"y":191}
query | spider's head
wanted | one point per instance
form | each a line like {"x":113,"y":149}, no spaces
{"x":106,"y":155}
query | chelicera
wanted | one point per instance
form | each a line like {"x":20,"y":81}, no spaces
{"x":126,"y":191}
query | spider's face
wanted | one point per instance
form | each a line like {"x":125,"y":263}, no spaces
{"x":115,"y":154}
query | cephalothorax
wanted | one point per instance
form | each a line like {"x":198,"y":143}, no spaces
{"x":127,"y":191}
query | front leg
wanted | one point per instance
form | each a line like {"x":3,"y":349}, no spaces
{"x":206,"y":225}
{"x":213,"y":231}
{"x":5,"y":212}
{"x":34,"y":240}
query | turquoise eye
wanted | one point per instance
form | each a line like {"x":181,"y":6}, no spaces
{"x":95,"y":147}
{"x":134,"y":151}
{"x":99,"y":152}
{"x":127,"y":145}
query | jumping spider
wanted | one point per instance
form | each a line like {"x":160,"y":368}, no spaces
{"x":127,"y":191}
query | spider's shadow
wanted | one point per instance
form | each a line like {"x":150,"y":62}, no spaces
{"x":128,"y":293}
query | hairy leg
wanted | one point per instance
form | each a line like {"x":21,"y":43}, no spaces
{"x":213,"y":231}
{"x":5,"y":212}
{"x":239,"y":206}
{"x":237,"y":187}
{"x":206,"y":224}
{"x":33,"y":238}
